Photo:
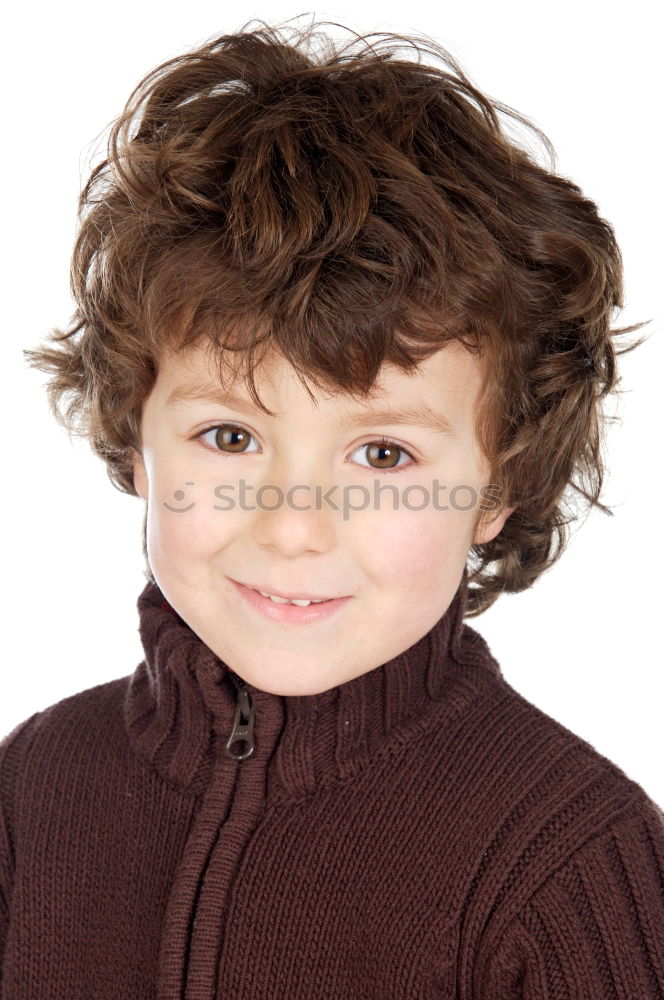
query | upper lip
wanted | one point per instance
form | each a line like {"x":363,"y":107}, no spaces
{"x":289,"y":597}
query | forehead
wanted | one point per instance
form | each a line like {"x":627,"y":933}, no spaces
{"x":451,"y":375}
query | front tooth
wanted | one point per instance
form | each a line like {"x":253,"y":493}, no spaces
{"x":277,"y":600}
{"x":283,"y":600}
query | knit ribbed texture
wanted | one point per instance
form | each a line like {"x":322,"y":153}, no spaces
{"x":421,"y":831}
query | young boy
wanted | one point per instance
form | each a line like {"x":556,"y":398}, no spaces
{"x":349,"y":344}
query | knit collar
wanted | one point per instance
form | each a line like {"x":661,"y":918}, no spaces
{"x":182,"y":700}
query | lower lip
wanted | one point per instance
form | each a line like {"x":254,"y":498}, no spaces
{"x":289,"y":613}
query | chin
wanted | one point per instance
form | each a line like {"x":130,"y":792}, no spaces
{"x":295,"y":688}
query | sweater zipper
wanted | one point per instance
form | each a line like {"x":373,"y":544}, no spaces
{"x":244,"y":707}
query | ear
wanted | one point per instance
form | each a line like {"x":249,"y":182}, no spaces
{"x":140,"y":474}
{"x":488,"y":530}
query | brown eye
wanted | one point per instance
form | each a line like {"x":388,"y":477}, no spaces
{"x":228,"y":438}
{"x":386,"y":454}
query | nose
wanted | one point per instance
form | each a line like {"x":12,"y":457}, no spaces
{"x":294,"y":519}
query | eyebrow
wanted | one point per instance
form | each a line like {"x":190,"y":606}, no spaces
{"x":416,"y":416}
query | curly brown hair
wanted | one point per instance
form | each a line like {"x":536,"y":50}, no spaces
{"x":347,"y":209}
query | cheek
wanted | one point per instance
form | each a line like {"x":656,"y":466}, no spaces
{"x":182,"y":520}
{"x":416,"y":550}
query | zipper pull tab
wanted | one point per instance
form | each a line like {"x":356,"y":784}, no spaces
{"x":242,"y":731}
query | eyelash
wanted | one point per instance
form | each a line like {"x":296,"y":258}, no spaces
{"x":382,"y":442}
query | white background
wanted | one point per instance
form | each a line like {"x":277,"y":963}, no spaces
{"x":584,"y":643}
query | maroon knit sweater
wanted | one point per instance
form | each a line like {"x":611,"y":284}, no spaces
{"x":421,"y":831}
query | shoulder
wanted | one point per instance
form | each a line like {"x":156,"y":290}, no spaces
{"x":568,"y":894}
{"x":540,"y":790}
{"x":558,"y":853}
{"x":77,"y":727}
{"x":81,"y":709}
{"x":537,"y":759}
{"x":560,"y":794}
{"x":515,"y":726}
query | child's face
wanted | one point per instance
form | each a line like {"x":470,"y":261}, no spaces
{"x":399,"y":563}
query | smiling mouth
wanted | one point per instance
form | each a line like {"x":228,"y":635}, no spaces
{"x":279,"y":598}
{"x":301,"y":602}
{"x":290,"y":612}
